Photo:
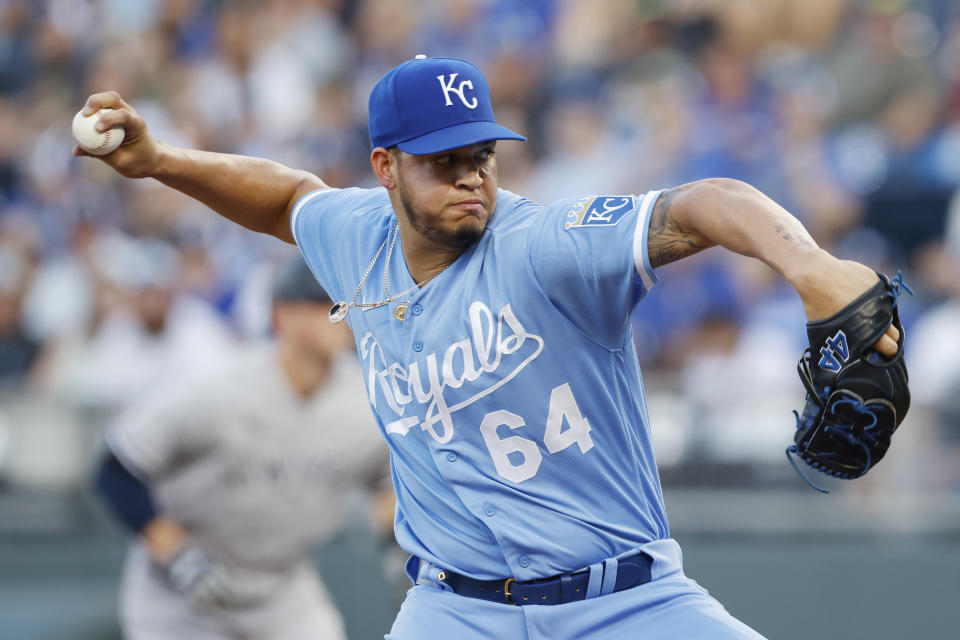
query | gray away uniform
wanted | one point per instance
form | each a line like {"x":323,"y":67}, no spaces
{"x":257,"y":476}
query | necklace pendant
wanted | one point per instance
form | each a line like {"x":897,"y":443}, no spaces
{"x":400,"y":311}
{"x":338,"y":312}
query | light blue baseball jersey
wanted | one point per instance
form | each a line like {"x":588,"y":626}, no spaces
{"x":511,"y":395}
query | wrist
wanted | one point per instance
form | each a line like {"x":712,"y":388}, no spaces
{"x":164,"y":539}
{"x":166,"y":161}
{"x":827,"y":284}
{"x":807,"y":270}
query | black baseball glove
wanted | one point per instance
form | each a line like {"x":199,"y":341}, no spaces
{"x":856,"y":397}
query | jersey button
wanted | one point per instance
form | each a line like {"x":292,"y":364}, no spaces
{"x":489,"y":509}
{"x":416,"y":309}
{"x":451,"y":456}
{"x":524,"y":561}
{"x":418,"y":346}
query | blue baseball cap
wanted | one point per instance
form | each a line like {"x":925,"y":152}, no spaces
{"x":428,"y":105}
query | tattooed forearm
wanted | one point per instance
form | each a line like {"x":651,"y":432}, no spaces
{"x":667,"y":241}
{"x":792,"y":231}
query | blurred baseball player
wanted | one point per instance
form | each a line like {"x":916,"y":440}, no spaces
{"x":494,"y":334}
{"x":232,"y":482}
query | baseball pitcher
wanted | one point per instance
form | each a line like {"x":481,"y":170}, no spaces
{"x":495,"y":339}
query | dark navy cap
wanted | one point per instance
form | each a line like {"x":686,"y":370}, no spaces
{"x":296,"y":283}
{"x":429,"y":105}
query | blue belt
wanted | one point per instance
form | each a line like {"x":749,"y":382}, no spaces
{"x":609,"y":576}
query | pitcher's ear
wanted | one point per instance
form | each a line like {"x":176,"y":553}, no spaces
{"x":385,"y":163}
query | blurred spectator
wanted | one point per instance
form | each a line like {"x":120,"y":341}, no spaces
{"x":917,"y":174}
{"x":581,"y":151}
{"x":17,"y":62}
{"x":148,"y":330}
{"x":880,"y":54}
{"x":17,"y":350}
{"x":61,"y":298}
{"x":935,"y":349}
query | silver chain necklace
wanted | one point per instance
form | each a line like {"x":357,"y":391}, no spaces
{"x":340,"y":309}
{"x":400,"y":311}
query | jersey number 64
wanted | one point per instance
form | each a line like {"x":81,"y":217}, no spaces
{"x":555,"y":438}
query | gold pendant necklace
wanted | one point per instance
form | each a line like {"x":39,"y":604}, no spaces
{"x":340,"y":309}
{"x":400,"y":311}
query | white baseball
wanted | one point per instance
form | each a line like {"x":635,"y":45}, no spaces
{"x":98,"y":143}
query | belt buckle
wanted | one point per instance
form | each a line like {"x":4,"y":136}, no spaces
{"x":507,"y":596}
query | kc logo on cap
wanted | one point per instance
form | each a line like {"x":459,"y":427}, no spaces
{"x":447,"y":88}
{"x":405,"y":114}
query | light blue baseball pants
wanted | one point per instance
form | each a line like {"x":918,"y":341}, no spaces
{"x":669,"y":607}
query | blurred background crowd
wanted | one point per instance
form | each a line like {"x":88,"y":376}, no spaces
{"x":846,"y":112}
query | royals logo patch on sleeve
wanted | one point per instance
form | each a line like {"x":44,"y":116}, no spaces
{"x":599,"y":211}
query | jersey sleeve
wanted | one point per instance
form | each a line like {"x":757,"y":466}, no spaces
{"x":321,"y":226}
{"x":312,"y":222}
{"x":590,"y":257}
{"x":152,"y":434}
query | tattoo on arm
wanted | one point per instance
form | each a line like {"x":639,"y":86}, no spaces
{"x":791,"y":231}
{"x":667,"y":240}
